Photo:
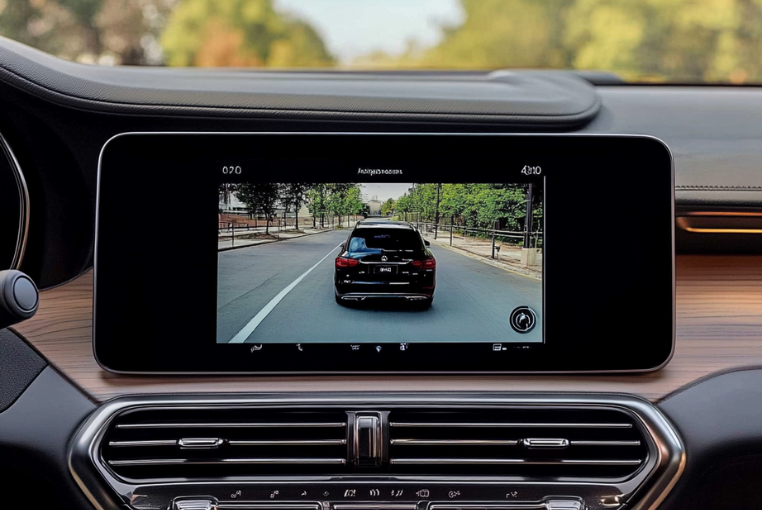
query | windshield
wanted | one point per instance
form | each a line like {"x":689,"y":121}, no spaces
{"x":679,"y":41}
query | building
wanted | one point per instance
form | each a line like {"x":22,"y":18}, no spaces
{"x":228,"y":203}
{"x":375,"y":206}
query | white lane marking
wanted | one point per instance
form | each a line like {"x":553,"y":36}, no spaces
{"x":251,"y":326}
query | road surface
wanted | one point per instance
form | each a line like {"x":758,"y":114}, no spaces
{"x":283,"y":292}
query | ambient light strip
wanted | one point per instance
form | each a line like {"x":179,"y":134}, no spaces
{"x":723,"y":230}
{"x":724,"y":213}
{"x":695,"y":226}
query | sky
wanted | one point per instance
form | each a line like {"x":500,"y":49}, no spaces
{"x":385,"y":191}
{"x":352,"y":28}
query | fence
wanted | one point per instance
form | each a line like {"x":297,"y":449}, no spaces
{"x":450,"y":229}
{"x":282,"y":224}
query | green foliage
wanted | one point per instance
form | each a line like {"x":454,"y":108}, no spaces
{"x":295,"y":195}
{"x":242,"y":33}
{"x":387,"y":207}
{"x":501,"y":206}
{"x":90,"y":31}
{"x":687,"y":41}
{"x":641,"y":40}
{"x":338,"y":199}
{"x":260,"y":198}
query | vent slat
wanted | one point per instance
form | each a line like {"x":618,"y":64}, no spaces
{"x":162,"y":442}
{"x":226,"y":425}
{"x":316,"y":442}
{"x":529,"y":462}
{"x":516,"y":425}
{"x":197,"y":462}
{"x":455,"y":442}
{"x":605,"y":443}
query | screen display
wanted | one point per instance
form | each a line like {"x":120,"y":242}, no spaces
{"x":380,"y":262}
{"x":388,"y":253}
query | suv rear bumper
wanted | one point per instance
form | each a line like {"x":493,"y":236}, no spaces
{"x":361,"y":296}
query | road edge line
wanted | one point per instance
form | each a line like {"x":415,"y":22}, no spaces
{"x":251,"y":326}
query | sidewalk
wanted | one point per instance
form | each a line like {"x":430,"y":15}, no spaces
{"x":225,"y":241}
{"x":509,"y":257}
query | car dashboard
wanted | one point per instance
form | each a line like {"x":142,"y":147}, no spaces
{"x":685,"y":436}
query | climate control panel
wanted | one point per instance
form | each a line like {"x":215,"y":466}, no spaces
{"x":208,"y":503}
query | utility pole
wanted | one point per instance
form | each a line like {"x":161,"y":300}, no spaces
{"x":436,"y":214}
{"x":528,"y":215}
{"x":528,"y":251}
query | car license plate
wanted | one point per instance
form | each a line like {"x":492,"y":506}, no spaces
{"x":386,"y":269}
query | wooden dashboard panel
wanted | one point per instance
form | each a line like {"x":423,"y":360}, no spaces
{"x":719,"y":326}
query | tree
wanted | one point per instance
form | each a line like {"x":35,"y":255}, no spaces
{"x":353,"y":201}
{"x":388,"y":207}
{"x":260,"y":197}
{"x":240,"y":33}
{"x":336,"y":201}
{"x":317,"y":197}
{"x":641,"y":40}
{"x":477,"y":205}
{"x":90,"y":31}
{"x":295,"y":194}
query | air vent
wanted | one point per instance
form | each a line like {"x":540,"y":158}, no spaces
{"x":534,"y":443}
{"x":212,"y":443}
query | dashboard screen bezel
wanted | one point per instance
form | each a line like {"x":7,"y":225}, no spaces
{"x":625,"y":172}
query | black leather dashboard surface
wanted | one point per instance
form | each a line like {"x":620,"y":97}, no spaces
{"x":538,"y":99}
{"x":19,"y":365}
{"x":720,"y":421}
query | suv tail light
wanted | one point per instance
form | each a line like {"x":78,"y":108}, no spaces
{"x":429,"y":263}
{"x":344,"y":262}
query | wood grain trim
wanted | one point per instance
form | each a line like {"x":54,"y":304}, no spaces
{"x":719,"y":326}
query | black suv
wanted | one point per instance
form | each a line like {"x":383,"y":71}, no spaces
{"x":385,"y":260}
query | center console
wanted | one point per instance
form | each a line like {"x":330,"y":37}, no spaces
{"x":378,"y":254}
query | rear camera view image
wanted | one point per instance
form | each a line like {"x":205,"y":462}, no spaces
{"x":380,"y":263}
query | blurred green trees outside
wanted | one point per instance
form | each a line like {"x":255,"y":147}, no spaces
{"x":240,"y":33}
{"x":683,"y":41}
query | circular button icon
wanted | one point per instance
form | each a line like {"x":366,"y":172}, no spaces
{"x":523,"y":319}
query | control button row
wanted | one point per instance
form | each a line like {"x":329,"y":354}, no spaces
{"x":214,"y":504}
{"x":549,"y":504}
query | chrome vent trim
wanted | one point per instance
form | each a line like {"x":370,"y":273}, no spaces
{"x":21,"y":183}
{"x":643,"y":490}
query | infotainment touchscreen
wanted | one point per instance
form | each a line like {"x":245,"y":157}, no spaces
{"x":295,"y":253}
{"x":387,"y":263}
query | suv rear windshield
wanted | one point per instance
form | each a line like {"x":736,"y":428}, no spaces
{"x":376,"y":239}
